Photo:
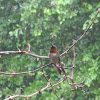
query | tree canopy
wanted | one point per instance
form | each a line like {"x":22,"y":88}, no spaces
{"x":36,"y":22}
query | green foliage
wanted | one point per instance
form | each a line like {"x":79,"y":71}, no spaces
{"x":36,"y":22}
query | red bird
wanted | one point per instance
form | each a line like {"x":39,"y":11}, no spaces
{"x":55,"y":58}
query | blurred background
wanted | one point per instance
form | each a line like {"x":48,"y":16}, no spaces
{"x":36,"y":22}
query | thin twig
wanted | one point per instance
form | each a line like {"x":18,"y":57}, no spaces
{"x":73,"y":62}
{"x":68,"y":67}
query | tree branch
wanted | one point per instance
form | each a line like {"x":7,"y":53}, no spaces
{"x":81,"y":35}
{"x":28,"y":96}
{"x":22,"y":52}
{"x":25,"y":72}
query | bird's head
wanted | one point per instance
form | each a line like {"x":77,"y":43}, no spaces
{"x":53,"y":49}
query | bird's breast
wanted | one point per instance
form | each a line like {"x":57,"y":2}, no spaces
{"x":54,"y":58}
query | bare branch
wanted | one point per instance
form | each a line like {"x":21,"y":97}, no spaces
{"x":73,"y":62}
{"x":81,"y":35}
{"x":68,"y":67}
{"x":79,"y":85}
{"x":22,"y":52}
{"x":28,"y":96}
{"x":25,"y":72}
{"x":37,"y":56}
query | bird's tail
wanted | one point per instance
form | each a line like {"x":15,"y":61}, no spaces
{"x":58,"y":69}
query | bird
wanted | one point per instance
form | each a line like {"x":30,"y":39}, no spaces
{"x":28,"y":48}
{"x":54,"y":58}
